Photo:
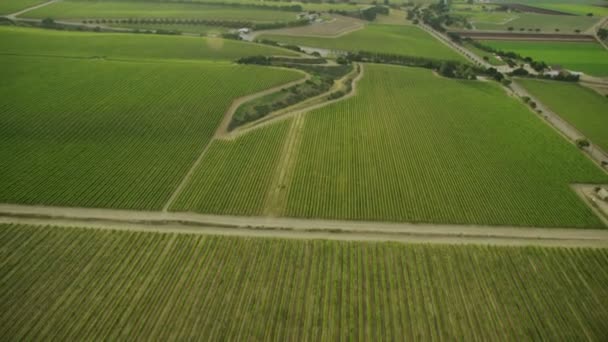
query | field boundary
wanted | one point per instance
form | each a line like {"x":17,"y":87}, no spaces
{"x":302,"y":228}
{"x":272,"y":118}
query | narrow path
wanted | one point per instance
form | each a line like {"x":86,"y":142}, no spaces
{"x":13,"y":16}
{"x":563,"y":127}
{"x":274,"y":118}
{"x":277,"y":194}
{"x":223,"y":129}
{"x":302,"y":228}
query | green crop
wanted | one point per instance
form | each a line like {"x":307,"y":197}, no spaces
{"x":80,"y":132}
{"x":74,"y":284}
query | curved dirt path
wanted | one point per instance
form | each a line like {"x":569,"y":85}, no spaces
{"x":301,"y":228}
{"x":222,"y":129}
{"x":272,"y":119}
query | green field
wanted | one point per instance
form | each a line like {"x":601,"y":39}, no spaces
{"x":410,"y":147}
{"x":578,"y":8}
{"x":82,"y":131}
{"x":12,"y":6}
{"x":74,"y":284}
{"x":391,"y":39}
{"x":543,"y":22}
{"x":582,"y":107}
{"x":590,"y":58}
{"x":78,"y":9}
{"x":20,"y":41}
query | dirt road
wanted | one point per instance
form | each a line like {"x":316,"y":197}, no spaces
{"x":301,"y":228}
{"x":274,"y":118}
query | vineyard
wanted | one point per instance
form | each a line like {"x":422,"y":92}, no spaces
{"x":81,"y":132}
{"x":235,"y":175}
{"x":395,"y":152}
{"x":77,"y":284}
{"x":20,"y":41}
{"x":581,"y":107}
{"x":12,"y":6}
{"x":390,"y":39}
{"x":590,"y":58}
{"x":77,"y":9}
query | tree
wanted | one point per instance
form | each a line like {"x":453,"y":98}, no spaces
{"x":48,"y":22}
{"x":602,"y":33}
{"x":582,"y":143}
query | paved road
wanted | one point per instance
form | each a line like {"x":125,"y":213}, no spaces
{"x":302,"y":228}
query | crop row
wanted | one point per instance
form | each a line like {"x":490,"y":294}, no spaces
{"x":400,"y":151}
{"x":111,"y":134}
{"x":75,"y":284}
{"x":235,"y":176}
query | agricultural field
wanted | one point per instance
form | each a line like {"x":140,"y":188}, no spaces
{"x":338,"y":25}
{"x":24,"y":41}
{"x":395,"y":152}
{"x":590,"y":58}
{"x":546,"y":23}
{"x":79,"y":9}
{"x":82,"y":284}
{"x":390,"y":39}
{"x":12,"y":6}
{"x":235,"y":176}
{"x":581,"y":107}
{"x":577,"y":8}
{"x":118,"y":134}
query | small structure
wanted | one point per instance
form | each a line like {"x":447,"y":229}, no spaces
{"x":244,"y":30}
{"x":602,"y":194}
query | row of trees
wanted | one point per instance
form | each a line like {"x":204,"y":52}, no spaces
{"x":368,"y":14}
{"x":289,"y":8}
{"x":209,"y":22}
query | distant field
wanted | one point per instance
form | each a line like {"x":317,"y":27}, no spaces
{"x":338,"y":25}
{"x":578,"y":8}
{"x":129,"y":46}
{"x":78,"y":9}
{"x":582,"y":107}
{"x":94,"y":133}
{"x":544,"y":22}
{"x":590,"y":58}
{"x":393,"y":39}
{"x":12,"y":6}
{"x":74,"y":284}
{"x":410,"y":146}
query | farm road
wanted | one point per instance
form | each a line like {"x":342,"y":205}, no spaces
{"x":301,"y":228}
